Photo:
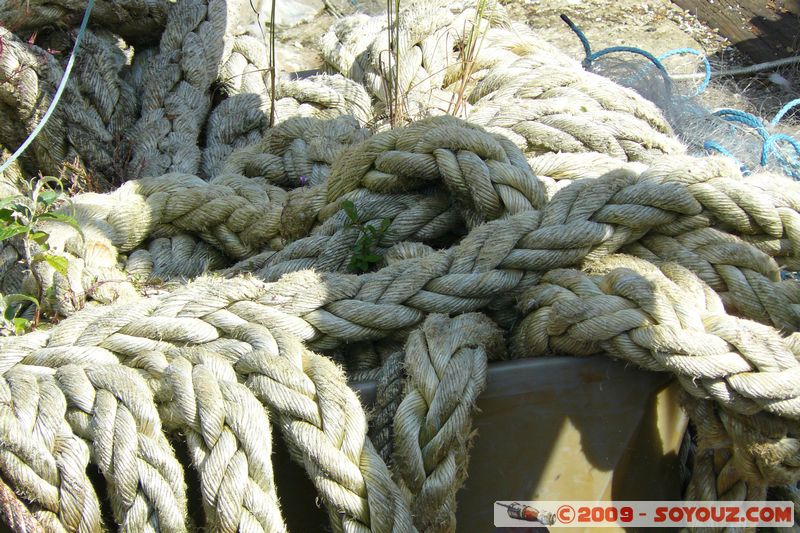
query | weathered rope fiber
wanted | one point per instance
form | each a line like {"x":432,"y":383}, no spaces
{"x":14,"y":512}
{"x":241,"y":120}
{"x":446,"y":361}
{"x":96,"y":107}
{"x":175,"y":92}
{"x":230,"y":442}
{"x":111,"y":407}
{"x":329,"y":437}
{"x":715,"y":476}
{"x":604,"y":214}
{"x":388,"y":394}
{"x":138,"y":21}
{"x":666,"y":319}
{"x":42,"y":457}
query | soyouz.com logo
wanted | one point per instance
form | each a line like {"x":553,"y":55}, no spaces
{"x":510,"y":513}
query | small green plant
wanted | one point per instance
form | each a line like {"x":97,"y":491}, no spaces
{"x":21,"y":215}
{"x":363,"y":252}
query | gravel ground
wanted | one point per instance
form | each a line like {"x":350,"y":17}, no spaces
{"x":653,"y":25}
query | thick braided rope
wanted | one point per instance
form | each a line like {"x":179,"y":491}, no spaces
{"x":242,"y":309}
{"x":138,"y":21}
{"x":180,"y":256}
{"x":108,"y":108}
{"x":301,"y":147}
{"x":715,"y":476}
{"x":532,"y":93}
{"x":496,"y":255}
{"x":753,"y":230}
{"x":175,"y":93}
{"x":15,"y":513}
{"x":240,"y":120}
{"x":240,"y":217}
{"x":425,"y":218}
{"x":121,"y":221}
{"x":546,"y":102}
{"x":321,"y":417}
{"x":27,"y":83}
{"x":489,"y":184}
{"x":246,"y":71}
{"x":96,"y":107}
{"x":668,"y":320}
{"x":388,"y":394}
{"x":41,"y":457}
{"x":446,"y":364}
{"x":487,"y":175}
{"x":111,"y":407}
{"x":324,"y":424}
{"x":744,"y":277}
{"x":357,"y":46}
{"x":669,"y":308}
{"x":228,"y":434}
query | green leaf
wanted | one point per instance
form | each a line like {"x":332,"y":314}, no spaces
{"x":65,"y":219}
{"x":9,"y":200}
{"x":48,"y":198}
{"x":11,"y":299}
{"x":11,"y":310}
{"x":40,"y":237}
{"x":59,"y":263}
{"x":22,"y":209}
{"x":385,"y":223}
{"x":20,"y":325}
{"x":50,"y":180}
{"x":372,"y":258}
{"x":6,"y":215}
{"x":350,"y":210}
{"x":11,"y":230}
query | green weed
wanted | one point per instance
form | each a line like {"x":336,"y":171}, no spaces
{"x":364,"y":255}
{"x":21,"y":216}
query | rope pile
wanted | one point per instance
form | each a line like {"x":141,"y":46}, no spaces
{"x":563,"y":217}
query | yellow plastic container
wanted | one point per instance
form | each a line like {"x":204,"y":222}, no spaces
{"x":549,"y":429}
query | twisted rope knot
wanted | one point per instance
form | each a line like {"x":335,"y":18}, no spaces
{"x":486,"y":173}
{"x":240,"y":121}
{"x":297,"y":152}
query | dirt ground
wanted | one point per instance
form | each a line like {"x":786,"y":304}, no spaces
{"x":653,"y":25}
